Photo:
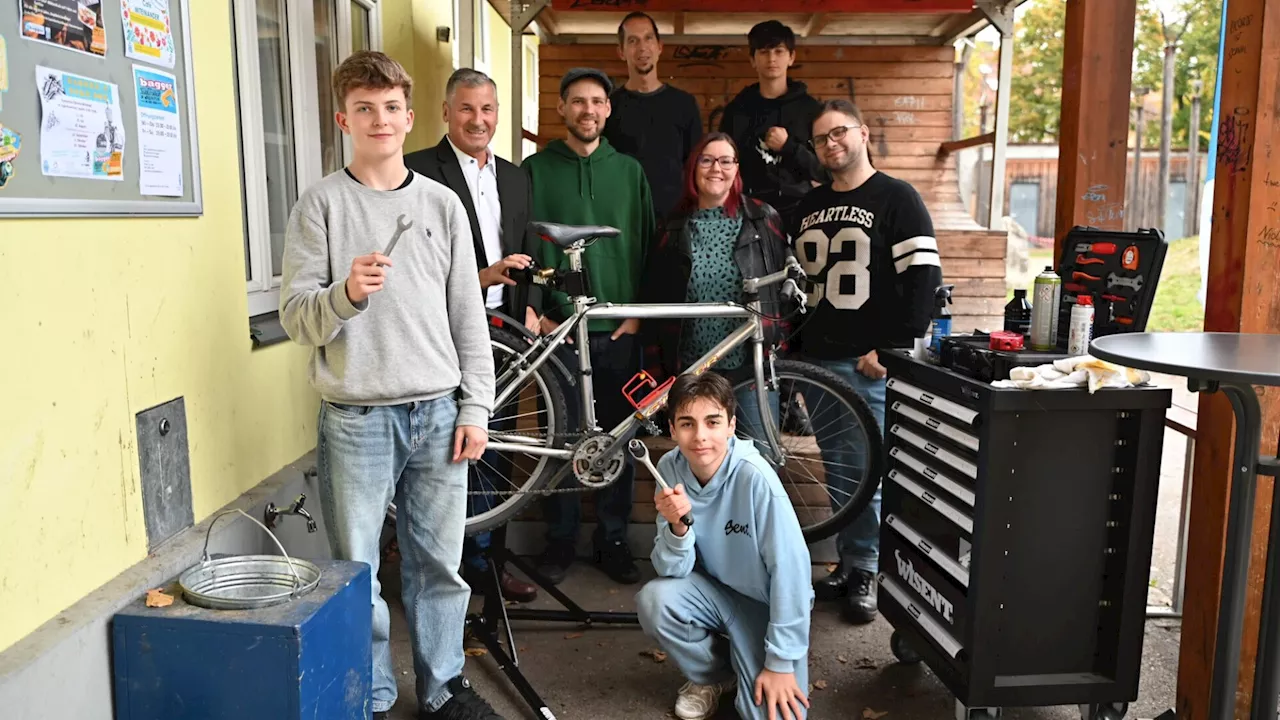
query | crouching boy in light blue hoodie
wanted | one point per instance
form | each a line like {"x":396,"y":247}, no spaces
{"x":732,"y":603}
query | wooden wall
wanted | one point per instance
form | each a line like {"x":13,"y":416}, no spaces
{"x":905,"y":94}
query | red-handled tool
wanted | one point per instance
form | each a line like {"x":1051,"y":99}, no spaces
{"x":1129,"y":260}
{"x":1082,"y":260}
{"x":1075,"y":288}
{"x":1124,"y":320}
{"x":1103,"y":248}
{"x":1115,"y":298}
{"x":1085,"y":276}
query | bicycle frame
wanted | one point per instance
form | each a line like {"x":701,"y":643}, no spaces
{"x":586,"y":309}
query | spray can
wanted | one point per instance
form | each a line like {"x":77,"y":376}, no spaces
{"x":1046,"y":297}
{"x":1081,"y":330}
{"x":941,"y":319}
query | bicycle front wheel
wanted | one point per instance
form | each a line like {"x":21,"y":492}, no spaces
{"x":502,"y":483}
{"x":831,"y":446}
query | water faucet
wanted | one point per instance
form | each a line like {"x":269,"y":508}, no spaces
{"x":272,"y":512}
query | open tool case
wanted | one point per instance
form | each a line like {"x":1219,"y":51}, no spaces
{"x":1119,"y":270}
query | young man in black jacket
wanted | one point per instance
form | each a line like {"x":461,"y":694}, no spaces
{"x":771,"y":122}
{"x":651,"y":121}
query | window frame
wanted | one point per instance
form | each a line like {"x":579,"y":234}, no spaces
{"x":263,"y":285}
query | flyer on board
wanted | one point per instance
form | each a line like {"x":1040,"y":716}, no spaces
{"x":81,"y":133}
{"x":159,"y":133}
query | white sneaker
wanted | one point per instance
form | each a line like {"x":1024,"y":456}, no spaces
{"x":699,"y":702}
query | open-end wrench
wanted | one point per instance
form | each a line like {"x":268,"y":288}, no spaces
{"x":641,"y":454}
{"x":401,"y":226}
{"x":1114,"y":280}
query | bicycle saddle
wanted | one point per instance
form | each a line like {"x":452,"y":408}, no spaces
{"x":566,"y":235}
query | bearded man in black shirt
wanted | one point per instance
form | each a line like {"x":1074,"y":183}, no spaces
{"x":866,"y":241}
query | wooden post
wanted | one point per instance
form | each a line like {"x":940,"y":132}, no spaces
{"x":1094,"y":139}
{"x":1139,"y":123}
{"x":1243,"y":296}
{"x":1166,"y":138}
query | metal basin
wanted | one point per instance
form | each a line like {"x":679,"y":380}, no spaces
{"x":247,"y":582}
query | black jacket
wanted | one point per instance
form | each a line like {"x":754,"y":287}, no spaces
{"x":782,"y":178}
{"x":761,"y":249}
{"x":516,"y":197}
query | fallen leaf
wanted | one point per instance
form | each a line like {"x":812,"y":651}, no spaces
{"x":869,"y":714}
{"x":866,"y":663}
{"x":599,"y":644}
{"x":524,"y":649}
{"x":613,"y":591}
{"x":572,"y":636}
{"x":475,"y":652}
{"x":831,"y":567}
{"x":842,"y":658}
{"x":157,"y":598}
{"x":820,"y":684}
{"x":657,"y":655}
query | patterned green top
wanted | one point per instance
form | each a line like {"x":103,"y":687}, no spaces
{"x":714,"y":278}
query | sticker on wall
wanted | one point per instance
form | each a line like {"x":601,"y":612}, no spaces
{"x":10,"y":146}
{"x":72,"y":24}
{"x":81,"y":133}
{"x":4,"y":71}
{"x":147,"y":35}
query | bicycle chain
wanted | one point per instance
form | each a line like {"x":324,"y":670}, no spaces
{"x":574,"y":437}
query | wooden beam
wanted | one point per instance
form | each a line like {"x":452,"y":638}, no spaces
{"x":775,"y":7}
{"x":817,"y":22}
{"x":679,"y":23}
{"x":547,"y":21}
{"x":1093,"y":140}
{"x":947,"y":148}
{"x":1243,"y":296}
{"x":1001,"y":144}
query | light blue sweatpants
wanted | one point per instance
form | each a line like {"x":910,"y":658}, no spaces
{"x":712,"y":633}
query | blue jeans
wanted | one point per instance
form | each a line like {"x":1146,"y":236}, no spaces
{"x":613,"y":363}
{"x":712,"y":632}
{"x":369,"y":456}
{"x":858,"y":544}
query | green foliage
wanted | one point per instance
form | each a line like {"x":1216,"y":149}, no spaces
{"x":1036,"y":98}
{"x":1035,"y":102}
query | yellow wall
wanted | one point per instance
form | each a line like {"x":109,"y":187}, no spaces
{"x":103,"y":318}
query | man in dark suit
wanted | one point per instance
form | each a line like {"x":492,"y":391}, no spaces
{"x":497,"y":196}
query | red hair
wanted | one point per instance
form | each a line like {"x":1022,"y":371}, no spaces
{"x":689,"y":201}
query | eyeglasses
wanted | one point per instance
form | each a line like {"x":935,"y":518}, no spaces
{"x":837,"y":133}
{"x":705,"y":161}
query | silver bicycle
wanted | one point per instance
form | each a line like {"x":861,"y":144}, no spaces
{"x":808,"y":423}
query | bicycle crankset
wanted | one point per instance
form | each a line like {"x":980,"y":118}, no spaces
{"x":584,"y":455}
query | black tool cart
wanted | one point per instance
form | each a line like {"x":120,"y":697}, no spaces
{"x":1017,"y":525}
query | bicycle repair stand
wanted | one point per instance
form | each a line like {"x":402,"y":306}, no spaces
{"x":494,"y":618}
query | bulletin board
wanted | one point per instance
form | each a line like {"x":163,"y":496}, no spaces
{"x":97,"y":109}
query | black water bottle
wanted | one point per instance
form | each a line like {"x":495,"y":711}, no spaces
{"x":1017,"y":314}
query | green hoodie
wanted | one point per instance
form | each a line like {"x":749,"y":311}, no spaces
{"x":605,"y":188}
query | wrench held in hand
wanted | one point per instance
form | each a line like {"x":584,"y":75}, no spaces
{"x":641,"y":454}
{"x":401,"y":226}
{"x":1121,"y":281}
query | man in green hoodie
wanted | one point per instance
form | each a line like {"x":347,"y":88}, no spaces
{"x":583,"y":180}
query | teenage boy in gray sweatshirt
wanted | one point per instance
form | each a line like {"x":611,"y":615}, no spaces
{"x":740,"y":571}
{"x":401,"y":359}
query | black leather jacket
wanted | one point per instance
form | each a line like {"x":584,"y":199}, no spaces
{"x":761,"y":249}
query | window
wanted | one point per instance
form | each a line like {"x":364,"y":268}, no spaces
{"x":286,"y":51}
{"x":482,"y":34}
{"x":1024,"y":205}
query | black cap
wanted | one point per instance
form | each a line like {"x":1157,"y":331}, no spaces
{"x":578,"y":73}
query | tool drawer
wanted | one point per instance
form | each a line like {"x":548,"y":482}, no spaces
{"x":1016,"y":531}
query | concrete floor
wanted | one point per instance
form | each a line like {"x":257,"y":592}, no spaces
{"x":601,"y":673}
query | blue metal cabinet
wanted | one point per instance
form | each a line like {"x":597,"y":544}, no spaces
{"x":307,"y":658}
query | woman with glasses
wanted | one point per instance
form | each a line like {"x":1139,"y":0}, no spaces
{"x":715,"y":237}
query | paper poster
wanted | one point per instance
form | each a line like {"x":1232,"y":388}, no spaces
{"x":81,"y":133}
{"x":159,"y":134}
{"x":146,"y":31}
{"x":72,"y":24}
{"x":4,"y":71}
{"x":10,"y":146}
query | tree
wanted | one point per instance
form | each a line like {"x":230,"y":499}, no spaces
{"x":1035,"y":98}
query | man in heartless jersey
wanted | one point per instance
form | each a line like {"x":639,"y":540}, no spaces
{"x":866,"y":241}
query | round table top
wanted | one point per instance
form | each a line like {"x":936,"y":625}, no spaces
{"x":1226,"y":357}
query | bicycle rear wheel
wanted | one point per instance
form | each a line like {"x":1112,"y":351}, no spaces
{"x":502,"y":483}
{"x":831,"y":444}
